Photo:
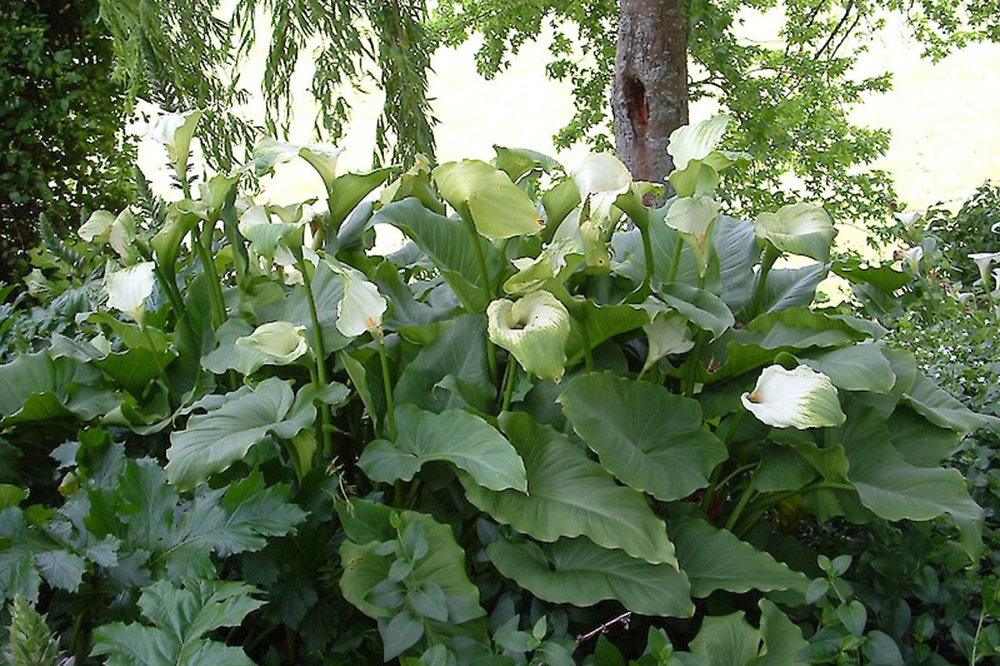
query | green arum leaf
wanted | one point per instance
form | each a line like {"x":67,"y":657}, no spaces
{"x":705,"y":310}
{"x":726,"y":640}
{"x":593,"y":324}
{"x":535,"y":330}
{"x":36,"y":387}
{"x":487,"y":198}
{"x":884,"y":278}
{"x":275,"y":343}
{"x":328,"y":292}
{"x":169,"y":536}
{"x":349,"y":190}
{"x":896,"y":490}
{"x":715,"y":559}
{"x":180,"y":619}
{"x":783,"y":641}
{"x":861,"y":367}
{"x":570,"y":495}
{"x":649,"y":438}
{"x":431,"y":564}
{"x":664,"y":242}
{"x":735,"y":247}
{"x":517,"y":162}
{"x":447,"y":243}
{"x":941,"y":409}
{"x":212,"y":442}
{"x":451,"y":371}
{"x":578,"y":572}
{"x":921,"y":443}
{"x":409,"y":314}
{"x":802,"y":229}
{"x":454,"y":436}
{"x":790,"y":288}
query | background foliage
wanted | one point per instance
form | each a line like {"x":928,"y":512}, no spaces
{"x":63,"y":151}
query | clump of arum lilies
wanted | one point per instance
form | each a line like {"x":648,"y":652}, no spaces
{"x":545,"y":356}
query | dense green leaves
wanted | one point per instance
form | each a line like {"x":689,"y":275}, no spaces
{"x":577,"y":571}
{"x":454,"y":436}
{"x":213,"y":441}
{"x":569,"y":495}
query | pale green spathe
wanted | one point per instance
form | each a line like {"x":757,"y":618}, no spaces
{"x":799,"y":228}
{"x":696,"y":142}
{"x":175,"y":131}
{"x":535,"y":330}
{"x":129,"y":288}
{"x":559,"y":259}
{"x":693,"y":217}
{"x":97,"y":226}
{"x":264,"y":235}
{"x":484,"y":195}
{"x":801,"y":398}
{"x":983,"y":261}
{"x":274,"y":343}
{"x":667,"y":334}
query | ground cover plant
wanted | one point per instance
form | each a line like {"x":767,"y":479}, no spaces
{"x":556,"y":413}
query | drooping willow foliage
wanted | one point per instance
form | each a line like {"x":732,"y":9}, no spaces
{"x":791,"y":97}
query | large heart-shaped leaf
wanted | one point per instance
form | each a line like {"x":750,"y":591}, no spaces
{"x":855,"y":368}
{"x":790,"y":288}
{"x":212,"y":442}
{"x":578,"y":572}
{"x":454,"y":436}
{"x":703,"y":308}
{"x":570,"y":495}
{"x":896,"y":490}
{"x":36,"y":387}
{"x":941,"y":409}
{"x":648,"y":437}
{"x":485,"y":196}
{"x":715,"y":559}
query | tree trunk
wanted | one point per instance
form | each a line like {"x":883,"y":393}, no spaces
{"x":650,"y":88}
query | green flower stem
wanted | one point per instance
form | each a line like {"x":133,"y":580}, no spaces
{"x":758,"y":508}
{"x":491,"y":352}
{"x":508,"y":383}
{"x":319,"y":354}
{"x":215,"y":298}
{"x":390,"y":408}
{"x":647,"y":249}
{"x":675,"y":259}
{"x":771,"y":255}
{"x":740,"y":505}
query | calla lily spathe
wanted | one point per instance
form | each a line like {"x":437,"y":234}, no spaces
{"x":801,"y":398}
{"x":128,"y":289}
{"x":175,"y":131}
{"x":274,"y":343}
{"x":361,"y":308}
{"x":800,"y":228}
{"x":983,"y":261}
{"x":913,"y":257}
{"x":667,"y":334}
{"x":535,"y":330}
{"x":697,"y":141}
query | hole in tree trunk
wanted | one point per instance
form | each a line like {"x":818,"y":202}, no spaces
{"x":638,"y":107}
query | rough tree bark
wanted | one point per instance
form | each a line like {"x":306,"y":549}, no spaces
{"x":650,"y":97}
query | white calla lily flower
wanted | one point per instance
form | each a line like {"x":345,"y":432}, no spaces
{"x":361,"y":308}
{"x":122,"y":236}
{"x":801,"y":398}
{"x":697,"y":141}
{"x":98,"y":225}
{"x":274,"y":343}
{"x":913,"y":257}
{"x":129,"y":288}
{"x":693,"y":217}
{"x":908,"y":219}
{"x":535,"y":330}
{"x":668,"y":333}
{"x":175,"y":131}
{"x":983,"y":261}
{"x":558,"y":259}
{"x":799,"y":228}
